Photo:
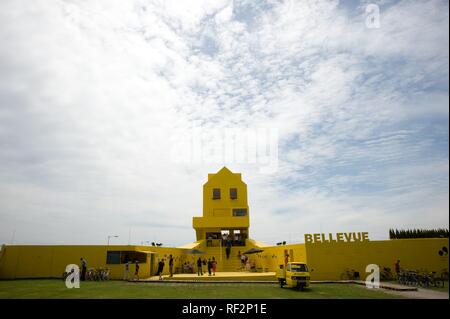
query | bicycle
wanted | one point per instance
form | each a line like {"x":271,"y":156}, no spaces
{"x":386,"y":274}
{"x":436,"y":281}
{"x":444,"y":274}
{"x":90,"y":274}
{"x":408,"y":278}
{"x":349,"y":274}
{"x":420,"y":279}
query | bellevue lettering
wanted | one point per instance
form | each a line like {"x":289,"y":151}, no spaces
{"x":337,"y":238}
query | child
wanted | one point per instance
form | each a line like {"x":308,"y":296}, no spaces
{"x":214,"y":266}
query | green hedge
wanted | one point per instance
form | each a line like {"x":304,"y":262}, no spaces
{"x":418,"y":233}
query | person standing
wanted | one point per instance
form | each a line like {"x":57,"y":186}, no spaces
{"x":397,"y":267}
{"x":214,"y":266}
{"x":209,"y":266}
{"x":171,"y":265}
{"x":136,"y":271}
{"x":228,"y":248}
{"x":243,"y":260}
{"x":199,"y":267}
{"x":247,"y":264}
{"x":83,"y":268}
{"x":160,"y":268}
{"x":127,"y":270}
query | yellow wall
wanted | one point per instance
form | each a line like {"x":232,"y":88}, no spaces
{"x":329,"y":260}
{"x":224,"y":179}
{"x":20,"y":261}
{"x":217,"y":213}
{"x":273,"y":256}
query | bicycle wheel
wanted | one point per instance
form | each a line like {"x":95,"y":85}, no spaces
{"x":439,"y":283}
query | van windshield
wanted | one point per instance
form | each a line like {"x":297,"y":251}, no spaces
{"x":299,"y":268}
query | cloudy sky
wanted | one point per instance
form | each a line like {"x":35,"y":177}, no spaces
{"x":92,"y":93}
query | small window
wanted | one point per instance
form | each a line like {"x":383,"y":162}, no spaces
{"x":216,"y":193}
{"x":233,"y":193}
{"x":113,"y":257}
{"x":121,"y":257}
{"x":299,"y":268}
{"x":240,"y":212}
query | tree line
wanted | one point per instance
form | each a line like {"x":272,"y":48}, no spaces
{"x":418,"y":233}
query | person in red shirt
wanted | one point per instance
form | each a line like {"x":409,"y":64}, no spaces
{"x":397,"y":267}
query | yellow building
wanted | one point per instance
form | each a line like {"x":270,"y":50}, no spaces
{"x":226,"y":219}
{"x":225,"y":209}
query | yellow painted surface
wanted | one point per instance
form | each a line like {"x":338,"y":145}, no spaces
{"x":326,"y":260}
{"x":33,"y":261}
{"x":218,"y":213}
{"x":224,"y":221}
{"x":330,"y":260}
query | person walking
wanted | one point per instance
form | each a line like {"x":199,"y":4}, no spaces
{"x":199,"y":267}
{"x":127,"y":270}
{"x":160,"y":269}
{"x":243,"y":261}
{"x":214,"y":266}
{"x":83,"y":268}
{"x":171,"y":266}
{"x":397,"y":267}
{"x":228,"y":248}
{"x":136,"y":271}
{"x":209,"y":266}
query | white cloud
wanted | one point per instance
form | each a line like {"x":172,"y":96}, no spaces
{"x":92,"y":92}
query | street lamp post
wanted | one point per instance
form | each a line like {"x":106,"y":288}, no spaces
{"x":111,"y":236}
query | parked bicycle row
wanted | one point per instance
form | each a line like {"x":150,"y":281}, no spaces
{"x":420,"y":279}
{"x":93,"y":274}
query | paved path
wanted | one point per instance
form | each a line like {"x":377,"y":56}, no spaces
{"x":410,"y":292}
{"x":388,"y":286}
{"x":421,"y":294}
{"x":267,"y":278}
{"x":219,"y":277}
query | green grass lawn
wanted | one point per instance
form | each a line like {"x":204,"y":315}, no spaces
{"x":119,"y":289}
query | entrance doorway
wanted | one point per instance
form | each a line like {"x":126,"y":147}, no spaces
{"x":152,"y":262}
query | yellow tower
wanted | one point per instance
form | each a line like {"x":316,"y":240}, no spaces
{"x":225,"y":209}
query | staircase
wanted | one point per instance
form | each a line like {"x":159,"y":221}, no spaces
{"x":223,"y":264}
{"x":232,"y":264}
